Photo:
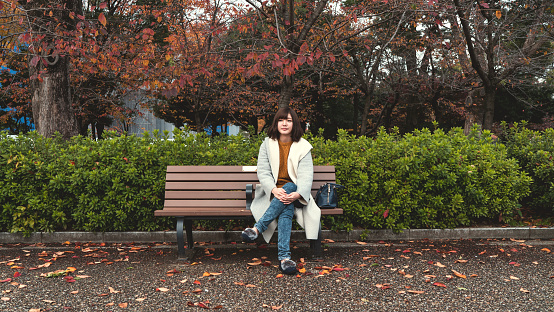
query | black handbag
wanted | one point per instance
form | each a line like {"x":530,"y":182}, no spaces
{"x":326,"y":197}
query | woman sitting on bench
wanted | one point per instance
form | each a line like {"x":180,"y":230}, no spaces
{"x":285,"y":172}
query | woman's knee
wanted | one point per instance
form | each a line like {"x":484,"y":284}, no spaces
{"x":289,"y":187}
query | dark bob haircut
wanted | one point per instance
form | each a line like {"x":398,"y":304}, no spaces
{"x":283,"y":113}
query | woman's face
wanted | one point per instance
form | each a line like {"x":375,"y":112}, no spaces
{"x":285,"y":126}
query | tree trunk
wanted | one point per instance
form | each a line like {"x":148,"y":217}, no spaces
{"x":50,"y":83}
{"x":287,"y":89}
{"x":488,"y":107}
{"x":367,"y":103}
{"x":51,"y":101}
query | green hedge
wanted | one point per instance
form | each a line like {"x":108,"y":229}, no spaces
{"x":424,"y":179}
{"x":421,"y":180}
{"x":534,"y":150}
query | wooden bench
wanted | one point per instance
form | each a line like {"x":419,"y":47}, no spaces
{"x":221,"y":192}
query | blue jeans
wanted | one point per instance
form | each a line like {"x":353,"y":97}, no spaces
{"x":283,"y":213}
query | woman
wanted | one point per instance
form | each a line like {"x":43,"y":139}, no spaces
{"x":285,"y":172}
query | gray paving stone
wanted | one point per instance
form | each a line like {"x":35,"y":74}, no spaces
{"x":60,"y":237}
{"x":435,"y":234}
{"x":16,"y":238}
{"x":541,"y":233}
{"x":373,"y":235}
{"x":508,"y":232}
{"x":138,"y":237}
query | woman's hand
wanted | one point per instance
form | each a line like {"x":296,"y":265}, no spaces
{"x":285,"y":198}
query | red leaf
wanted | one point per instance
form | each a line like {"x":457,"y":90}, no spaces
{"x":6,"y":280}
{"x":35,"y":60}
{"x":16,"y":274}
{"x":103,"y":5}
{"x":102,"y":19}
{"x":386,"y":214}
{"x":439,"y":284}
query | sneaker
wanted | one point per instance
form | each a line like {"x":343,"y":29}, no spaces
{"x":288,"y":267}
{"x":249,"y":235}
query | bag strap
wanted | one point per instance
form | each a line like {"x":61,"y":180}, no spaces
{"x":335,"y":185}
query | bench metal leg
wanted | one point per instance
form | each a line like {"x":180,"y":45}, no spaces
{"x":184,"y":254}
{"x":180,"y":238}
{"x":190,"y":241}
{"x":315,"y":246}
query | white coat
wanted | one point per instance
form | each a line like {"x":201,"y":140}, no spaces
{"x":301,"y":172}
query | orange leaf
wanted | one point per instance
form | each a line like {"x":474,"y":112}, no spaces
{"x":546,"y":249}
{"x":416,"y":291}
{"x":458,"y":274}
{"x":102,"y":19}
{"x":197,"y":290}
{"x":279,"y":275}
{"x":123,"y":305}
{"x":439,"y":284}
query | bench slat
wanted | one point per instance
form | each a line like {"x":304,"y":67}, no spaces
{"x":192,"y":203}
{"x":248,"y":177}
{"x":217,"y":186}
{"x":210,"y":194}
{"x":205,"y":195}
{"x":206,"y":169}
{"x":207,"y":212}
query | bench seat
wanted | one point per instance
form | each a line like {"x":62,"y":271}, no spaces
{"x":220,"y":192}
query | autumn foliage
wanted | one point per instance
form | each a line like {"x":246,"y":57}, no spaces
{"x":357,"y":65}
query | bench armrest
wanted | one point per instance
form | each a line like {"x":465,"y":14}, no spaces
{"x":249,"y":196}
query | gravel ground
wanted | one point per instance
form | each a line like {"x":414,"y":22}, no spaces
{"x":453,"y":275}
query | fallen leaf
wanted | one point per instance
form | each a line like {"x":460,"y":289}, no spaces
{"x":140,"y":299}
{"x":279,"y":275}
{"x":5,"y":299}
{"x":517,"y":240}
{"x":123,"y":305}
{"x":524,"y":290}
{"x":415,"y":291}
{"x":361,"y":243}
{"x":6,"y":280}
{"x":514,"y":278}
{"x":74,"y":292}
{"x":276,"y":307}
{"x":197,"y":290}
{"x":546,"y":249}
{"x":113,"y":291}
{"x":162,"y":289}
{"x":439,"y":284}
{"x":83,"y":276}
{"x":250,"y":285}
{"x":461,"y":261}
{"x":458,"y":274}
{"x":440,"y":265}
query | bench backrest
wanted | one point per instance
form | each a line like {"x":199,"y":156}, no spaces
{"x":220,"y":186}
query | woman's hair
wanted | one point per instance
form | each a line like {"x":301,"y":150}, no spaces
{"x":283,"y":113}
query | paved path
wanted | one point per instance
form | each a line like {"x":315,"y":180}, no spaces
{"x":453,"y":275}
